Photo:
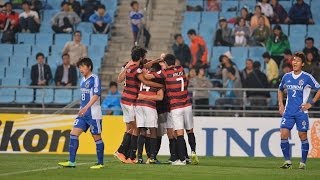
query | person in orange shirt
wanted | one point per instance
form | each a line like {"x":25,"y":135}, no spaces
{"x":255,"y":18}
{"x":199,"y":50}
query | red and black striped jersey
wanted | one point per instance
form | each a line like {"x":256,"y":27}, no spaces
{"x":149,"y":91}
{"x":176,"y":86}
{"x":132,"y":84}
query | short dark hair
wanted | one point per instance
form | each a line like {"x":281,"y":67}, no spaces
{"x":101,"y":6}
{"x":192,"y":32}
{"x":266,"y":55}
{"x":26,"y":2}
{"x":309,"y":39}
{"x":256,"y":65}
{"x":231,"y":70}
{"x":300,"y":55}
{"x":39,"y":54}
{"x":137,"y":53}
{"x":287,"y":52}
{"x":155,"y":67}
{"x":249,"y":60}
{"x":77,"y":32}
{"x":7,"y":3}
{"x":133,"y":3}
{"x":112,"y":83}
{"x":277,"y":27}
{"x":257,"y":6}
{"x":85,"y":61}
{"x":65,"y":54}
{"x":176,"y":36}
{"x":170,"y":59}
{"x":65,"y":3}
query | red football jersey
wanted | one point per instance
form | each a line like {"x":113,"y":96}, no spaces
{"x":132,"y":85}
{"x":149,"y":91}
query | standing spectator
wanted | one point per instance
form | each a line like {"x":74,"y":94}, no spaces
{"x":279,"y":13}
{"x":223,"y":34}
{"x":88,"y":8}
{"x":64,"y":21}
{"x":181,"y":51}
{"x":111,"y":104}
{"x":261,"y":34}
{"x":300,"y":13}
{"x":277,"y":43}
{"x":241,"y":33}
{"x":309,"y":47}
{"x":254,"y":23}
{"x":272,"y":69}
{"x":40,"y":72}
{"x":213,"y":5}
{"x":75,"y":48}
{"x":266,"y":8}
{"x":66,"y":74}
{"x":101,"y":20}
{"x":29,"y":20}
{"x":288,"y":58}
{"x":74,"y":6}
{"x":9,"y":19}
{"x":247,"y":70}
{"x":232,"y":82}
{"x":136,"y":17}
{"x":199,"y":50}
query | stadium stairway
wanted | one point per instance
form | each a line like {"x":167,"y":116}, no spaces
{"x":165,"y":23}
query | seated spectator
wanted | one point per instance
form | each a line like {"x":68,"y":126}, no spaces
{"x":288,"y":58}
{"x":181,"y":51}
{"x":75,"y":48}
{"x":277,"y":43}
{"x":29,"y":20}
{"x":309,"y":47}
{"x":310,"y":66}
{"x":266,"y":8}
{"x":232,"y":82}
{"x":9,"y":19}
{"x":223,"y":34}
{"x":286,"y":68}
{"x":198,"y":49}
{"x":101,"y":20}
{"x":247,"y":70}
{"x":279,"y":13}
{"x":40,"y":72}
{"x":74,"y":6}
{"x":64,"y":21}
{"x":66,"y":74}
{"x":88,"y":8}
{"x":213,"y":5}
{"x":36,"y":5}
{"x":272,"y":69}
{"x":111,"y":104}
{"x":241,"y":33}
{"x":261,"y":34}
{"x":192,"y":74}
{"x":300,"y":13}
{"x":254,"y":23}
{"x":244,"y":13}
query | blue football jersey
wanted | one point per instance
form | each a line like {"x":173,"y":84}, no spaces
{"x":298,"y":90}
{"x":90,"y":87}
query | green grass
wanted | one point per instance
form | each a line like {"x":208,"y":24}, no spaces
{"x":209,"y":168}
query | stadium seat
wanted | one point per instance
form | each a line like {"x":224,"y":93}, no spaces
{"x":240,"y":55}
{"x":298,"y":30}
{"x":26,"y":38}
{"x":96,"y":50}
{"x":6,"y":49}
{"x":61,"y":39}
{"x":44,"y":96}
{"x":38,"y":48}
{"x":22,"y":49}
{"x":313,"y":31}
{"x":207,"y":32}
{"x":4,"y":60}
{"x":56,"y":50}
{"x":26,"y":81}
{"x":53,"y":62}
{"x":213,"y":96}
{"x":76,"y":94}
{"x":27,"y":71}
{"x":228,"y":15}
{"x":84,"y":27}
{"x":14,"y":71}
{"x":63,"y":96}
{"x":250,"y":4}
{"x":210,"y":18}
{"x":294,"y":45}
{"x":24,"y":95}
{"x":85,"y":39}
{"x":273,"y":98}
{"x":99,"y":39}
{"x":10,"y":81}
{"x":2,"y":72}
{"x":44,"y":39}
{"x":18,"y":61}
{"x":7,"y":95}
{"x":286,"y":5}
{"x":195,"y":3}
{"x":192,"y":16}
{"x":56,"y":4}
{"x":228,"y":5}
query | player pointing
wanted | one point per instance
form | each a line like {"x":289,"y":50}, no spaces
{"x":298,"y":85}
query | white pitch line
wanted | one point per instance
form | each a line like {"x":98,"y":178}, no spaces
{"x":36,"y":170}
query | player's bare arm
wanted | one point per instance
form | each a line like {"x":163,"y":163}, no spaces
{"x":145,"y":81}
{"x":90,"y":103}
{"x":280,"y":100}
{"x":157,"y":97}
{"x":122,"y":74}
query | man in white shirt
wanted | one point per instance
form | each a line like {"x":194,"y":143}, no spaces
{"x":29,"y":20}
{"x":266,"y":8}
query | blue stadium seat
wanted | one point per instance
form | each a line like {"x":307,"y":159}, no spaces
{"x":84,"y":27}
{"x":2,"y":70}
{"x":298,"y":30}
{"x":56,"y":50}
{"x":38,"y":48}
{"x":26,"y":81}
{"x":27,"y":72}
{"x":294,"y":45}
{"x":273,"y":98}
{"x":85,"y":39}
{"x":210,"y":18}
{"x":195,"y":3}
{"x":96,"y":50}
{"x":26,"y":38}
{"x":192,"y":16}
{"x":14,"y":71}
{"x":22,"y":49}
{"x":46,"y":28}
{"x":256,"y":52}
{"x":240,"y":55}
{"x":213,"y":96}
{"x":44,"y":96}
{"x":4,"y":60}
{"x":24,"y":96}
{"x":18,"y":61}
{"x":313,"y":31}
{"x":207,"y":33}
{"x":7,"y":95}
{"x":186,"y":26}
{"x":61,"y":39}
{"x":6,"y":49}
{"x":286,"y":5}
{"x":44,"y":39}
{"x":250,"y":4}
{"x":214,"y":60}
{"x":228,"y":15}
{"x":10,"y":81}
{"x":76,"y":94}
{"x":63,"y":96}
{"x":226,"y":5}
{"x":99,"y":39}
{"x":53,"y":62}
{"x":56,"y":4}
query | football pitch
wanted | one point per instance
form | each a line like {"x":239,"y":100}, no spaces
{"x":25,"y":166}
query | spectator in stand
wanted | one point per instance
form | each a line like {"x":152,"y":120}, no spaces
{"x":36,"y":5}
{"x":111,"y":104}
{"x":261,"y":34}
{"x":181,"y":51}
{"x":241,"y":33}
{"x":66,"y":74}
{"x":64,"y":21}
{"x":247,"y":70}
{"x":192,"y":74}
{"x":101,"y":20}
{"x":75,"y":48}
{"x":311,"y":66}
{"x":9,"y":19}
{"x":244,"y":13}
{"x":198,"y":49}
{"x":223,"y":34}
{"x":300,"y":13}
{"x":29,"y":20}
{"x":288,"y":58}
{"x":272,"y":69}
{"x":286,"y":68}
{"x":254,"y":23}
{"x":74,"y":6}
{"x":40,"y":72}
{"x":232,"y":82}
{"x":266,"y":8}
{"x":88,"y":8}
{"x":213,"y":5}
{"x":277,"y":43}
{"x":279,"y":13}
{"x":309,"y":47}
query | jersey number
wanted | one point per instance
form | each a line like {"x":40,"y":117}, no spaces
{"x":144,"y":87}
{"x":83,"y":97}
{"x":294,"y":93}
{"x":182,"y":83}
